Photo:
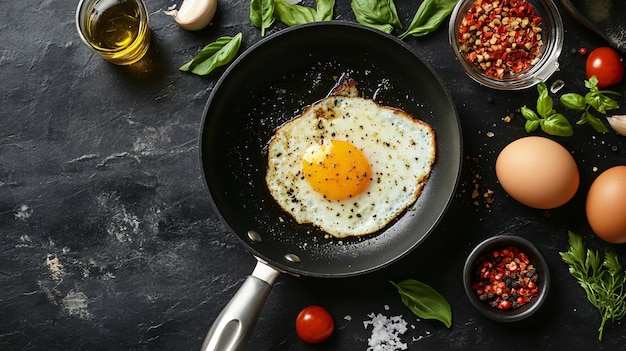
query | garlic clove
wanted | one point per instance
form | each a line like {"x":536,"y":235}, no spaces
{"x":618,"y":123}
{"x":194,"y":14}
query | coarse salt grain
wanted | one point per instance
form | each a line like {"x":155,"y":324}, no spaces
{"x":386,"y":332}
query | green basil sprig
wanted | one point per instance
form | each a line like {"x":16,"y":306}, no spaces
{"x":424,"y":301}
{"x":214,"y":55}
{"x":595,"y":98}
{"x":379,"y":14}
{"x":555,"y":123}
{"x":428,"y":17}
{"x":263,"y":13}
{"x":546,"y":117}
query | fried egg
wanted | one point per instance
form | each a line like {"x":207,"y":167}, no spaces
{"x":349,"y":165}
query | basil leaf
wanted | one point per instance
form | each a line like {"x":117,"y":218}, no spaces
{"x":595,"y":101}
{"x":601,"y":102}
{"x":293,"y":15}
{"x":529,"y":114}
{"x":429,"y":16}
{"x":216,"y":54}
{"x":324,"y":10}
{"x":584,"y":118}
{"x":544,"y":101}
{"x":592,"y":83}
{"x":424,"y":301}
{"x":262,"y":14}
{"x":379,"y":14}
{"x":531,"y":126}
{"x":597,"y":124}
{"x":607,"y":102}
{"x":594,"y":121}
{"x":573,"y":101}
{"x":557,"y":124}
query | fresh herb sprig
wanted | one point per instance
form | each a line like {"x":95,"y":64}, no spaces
{"x":603,"y":281}
{"x":424,"y":301}
{"x":595,"y":98}
{"x":216,"y":54}
{"x":546,"y":116}
{"x":554,"y":123}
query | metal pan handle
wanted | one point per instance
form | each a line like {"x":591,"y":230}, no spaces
{"x":234,"y":324}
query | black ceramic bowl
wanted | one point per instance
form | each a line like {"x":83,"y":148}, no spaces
{"x":535,"y":258}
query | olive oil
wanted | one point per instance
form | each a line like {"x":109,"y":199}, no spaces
{"x":116,"y":29}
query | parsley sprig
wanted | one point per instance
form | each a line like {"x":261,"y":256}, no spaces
{"x":603,"y":281}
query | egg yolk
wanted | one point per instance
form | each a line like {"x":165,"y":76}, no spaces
{"x":337,"y":170}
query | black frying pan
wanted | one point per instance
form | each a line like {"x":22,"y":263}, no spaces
{"x":606,"y":18}
{"x":268,"y":85}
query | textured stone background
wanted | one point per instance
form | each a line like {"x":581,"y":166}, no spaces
{"x":108,"y":240}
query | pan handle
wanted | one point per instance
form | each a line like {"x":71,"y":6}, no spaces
{"x":232,"y":327}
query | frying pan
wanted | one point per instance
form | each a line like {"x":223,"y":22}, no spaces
{"x":606,"y":18}
{"x":268,"y":85}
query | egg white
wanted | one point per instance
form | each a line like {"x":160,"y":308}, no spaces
{"x":399,"y":148}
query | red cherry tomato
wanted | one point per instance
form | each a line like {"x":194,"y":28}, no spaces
{"x":605,"y":64}
{"x":314,"y":324}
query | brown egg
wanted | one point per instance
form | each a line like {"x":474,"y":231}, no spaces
{"x":538,"y":172}
{"x":606,"y":205}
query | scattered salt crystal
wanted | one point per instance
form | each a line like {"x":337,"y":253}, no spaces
{"x":386,"y":332}
{"x":348,"y":318}
{"x":556,"y":86}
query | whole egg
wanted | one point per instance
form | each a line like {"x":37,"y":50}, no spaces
{"x":538,"y":172}
{"x":606,"y":205}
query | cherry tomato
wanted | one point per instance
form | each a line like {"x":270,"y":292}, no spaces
{"x":314,"y":324}
{"x":605,"y":64}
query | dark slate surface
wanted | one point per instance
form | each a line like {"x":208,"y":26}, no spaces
{"x":108,"y":240}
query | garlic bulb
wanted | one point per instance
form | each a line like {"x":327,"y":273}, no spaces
{"x":618,"y":123}
{"x":194,"y":14}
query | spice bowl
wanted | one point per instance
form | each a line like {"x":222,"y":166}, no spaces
{"x":506,"y":278}
{"x":504,"y":46}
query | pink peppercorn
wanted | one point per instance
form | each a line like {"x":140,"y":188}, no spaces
{"x":505,"y":278}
